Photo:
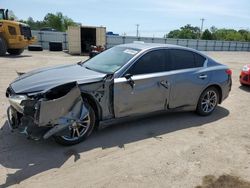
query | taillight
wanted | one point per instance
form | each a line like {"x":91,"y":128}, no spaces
{"x":229,"y":72}
{"x":246,"y":68}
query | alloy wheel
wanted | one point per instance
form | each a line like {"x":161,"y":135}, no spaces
{"x":78,"y":129}
{"x":209,"y":101}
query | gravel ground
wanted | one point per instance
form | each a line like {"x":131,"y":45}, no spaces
{"x":167,"y":150}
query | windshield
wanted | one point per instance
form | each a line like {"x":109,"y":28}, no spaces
{"x":111,"y":60}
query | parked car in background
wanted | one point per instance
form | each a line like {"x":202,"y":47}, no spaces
{"x":68,"y":101}
{"x":245,"y":75}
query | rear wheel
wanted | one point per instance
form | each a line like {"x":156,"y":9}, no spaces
{"x":207,"y":101}
{"x":3,"y":47}
{"x":79,"y":130}
{"x":15,"y":51}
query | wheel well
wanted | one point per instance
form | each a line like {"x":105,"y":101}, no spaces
{"x":93,"y":104}
{"x":218,"y":89}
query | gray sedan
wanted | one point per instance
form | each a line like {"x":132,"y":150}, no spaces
{"x":67,"y":102}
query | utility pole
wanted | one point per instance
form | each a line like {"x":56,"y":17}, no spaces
{"x":137,"y":30}
{"x":202,"y":22}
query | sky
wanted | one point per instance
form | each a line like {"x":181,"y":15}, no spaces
{"x":155,"y":17}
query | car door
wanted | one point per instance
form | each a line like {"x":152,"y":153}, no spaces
{"x":143,"y":88}
{"x":189,"y":77}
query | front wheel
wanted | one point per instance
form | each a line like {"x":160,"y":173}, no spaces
{"x":79,"y":130}
{"x":15,"y":51}
{"x":3,"y":47}
{"x":207,"y":101}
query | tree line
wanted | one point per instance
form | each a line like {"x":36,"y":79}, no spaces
{"x":191,"y":32}
{"x":56,"y":21}
{"x":60,"y":22}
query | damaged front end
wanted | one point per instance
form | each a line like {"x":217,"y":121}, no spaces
{"x":48,"y":113}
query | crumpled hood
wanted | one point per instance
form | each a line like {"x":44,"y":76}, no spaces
{"x":45,"y":78}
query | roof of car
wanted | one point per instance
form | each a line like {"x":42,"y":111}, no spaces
{"x":147,"y":46}
{"x":144,"y":46}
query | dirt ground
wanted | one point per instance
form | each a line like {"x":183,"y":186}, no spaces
{"x":167,"y":150}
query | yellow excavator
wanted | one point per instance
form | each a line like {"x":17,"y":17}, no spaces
{"x":14,"y":36}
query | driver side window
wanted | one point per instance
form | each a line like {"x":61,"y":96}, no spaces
{"x":151,"y":62}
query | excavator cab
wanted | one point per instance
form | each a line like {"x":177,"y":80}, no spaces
{"x":4,"y":14}
{"x":14,"y":36}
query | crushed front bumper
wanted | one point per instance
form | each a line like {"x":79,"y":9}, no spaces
{"x":44,"y":118}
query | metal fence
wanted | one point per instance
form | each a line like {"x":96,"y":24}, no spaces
{"x":201,"y":45}
{"x":44,"y":37}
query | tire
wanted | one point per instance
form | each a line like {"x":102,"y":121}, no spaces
{"x":208,"y":101}
{"x":15,"y":51}
{"x":3,"y":47}
{"x":35,"y":48}
{"x":55,"y":46}
{"x":71,"y":137}
{"x":244,"y":85}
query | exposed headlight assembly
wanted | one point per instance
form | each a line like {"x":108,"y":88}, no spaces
{"x":15,"y":101}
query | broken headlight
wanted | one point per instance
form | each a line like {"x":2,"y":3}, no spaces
{"x":15,"y":102}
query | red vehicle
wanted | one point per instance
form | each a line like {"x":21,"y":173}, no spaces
{"x":245,"y":75}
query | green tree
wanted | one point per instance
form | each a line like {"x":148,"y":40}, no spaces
{"x":207,"y":35}
{"x":58,"y":21}
{"x":186,"y":32}
{"x":228,"y":35}
{"x":190,"y":32}
{"x":55,"y":21}
{"x":173,"y":34}
{"x":213,"y":29}
{"x":68,"y":22}
{"x":245,"y":34}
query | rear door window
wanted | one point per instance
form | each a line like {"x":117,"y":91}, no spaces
{"x":199,"y":60}
{"x":182,"y":59}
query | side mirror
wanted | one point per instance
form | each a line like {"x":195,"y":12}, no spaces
{"x":130,"y":80}
{"x":128,"y":76}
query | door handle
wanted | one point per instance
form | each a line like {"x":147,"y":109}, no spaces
{"x":203,"y":76}
{"x":164,"y":83}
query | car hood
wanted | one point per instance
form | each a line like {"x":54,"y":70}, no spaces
{"x":45,"y":78}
